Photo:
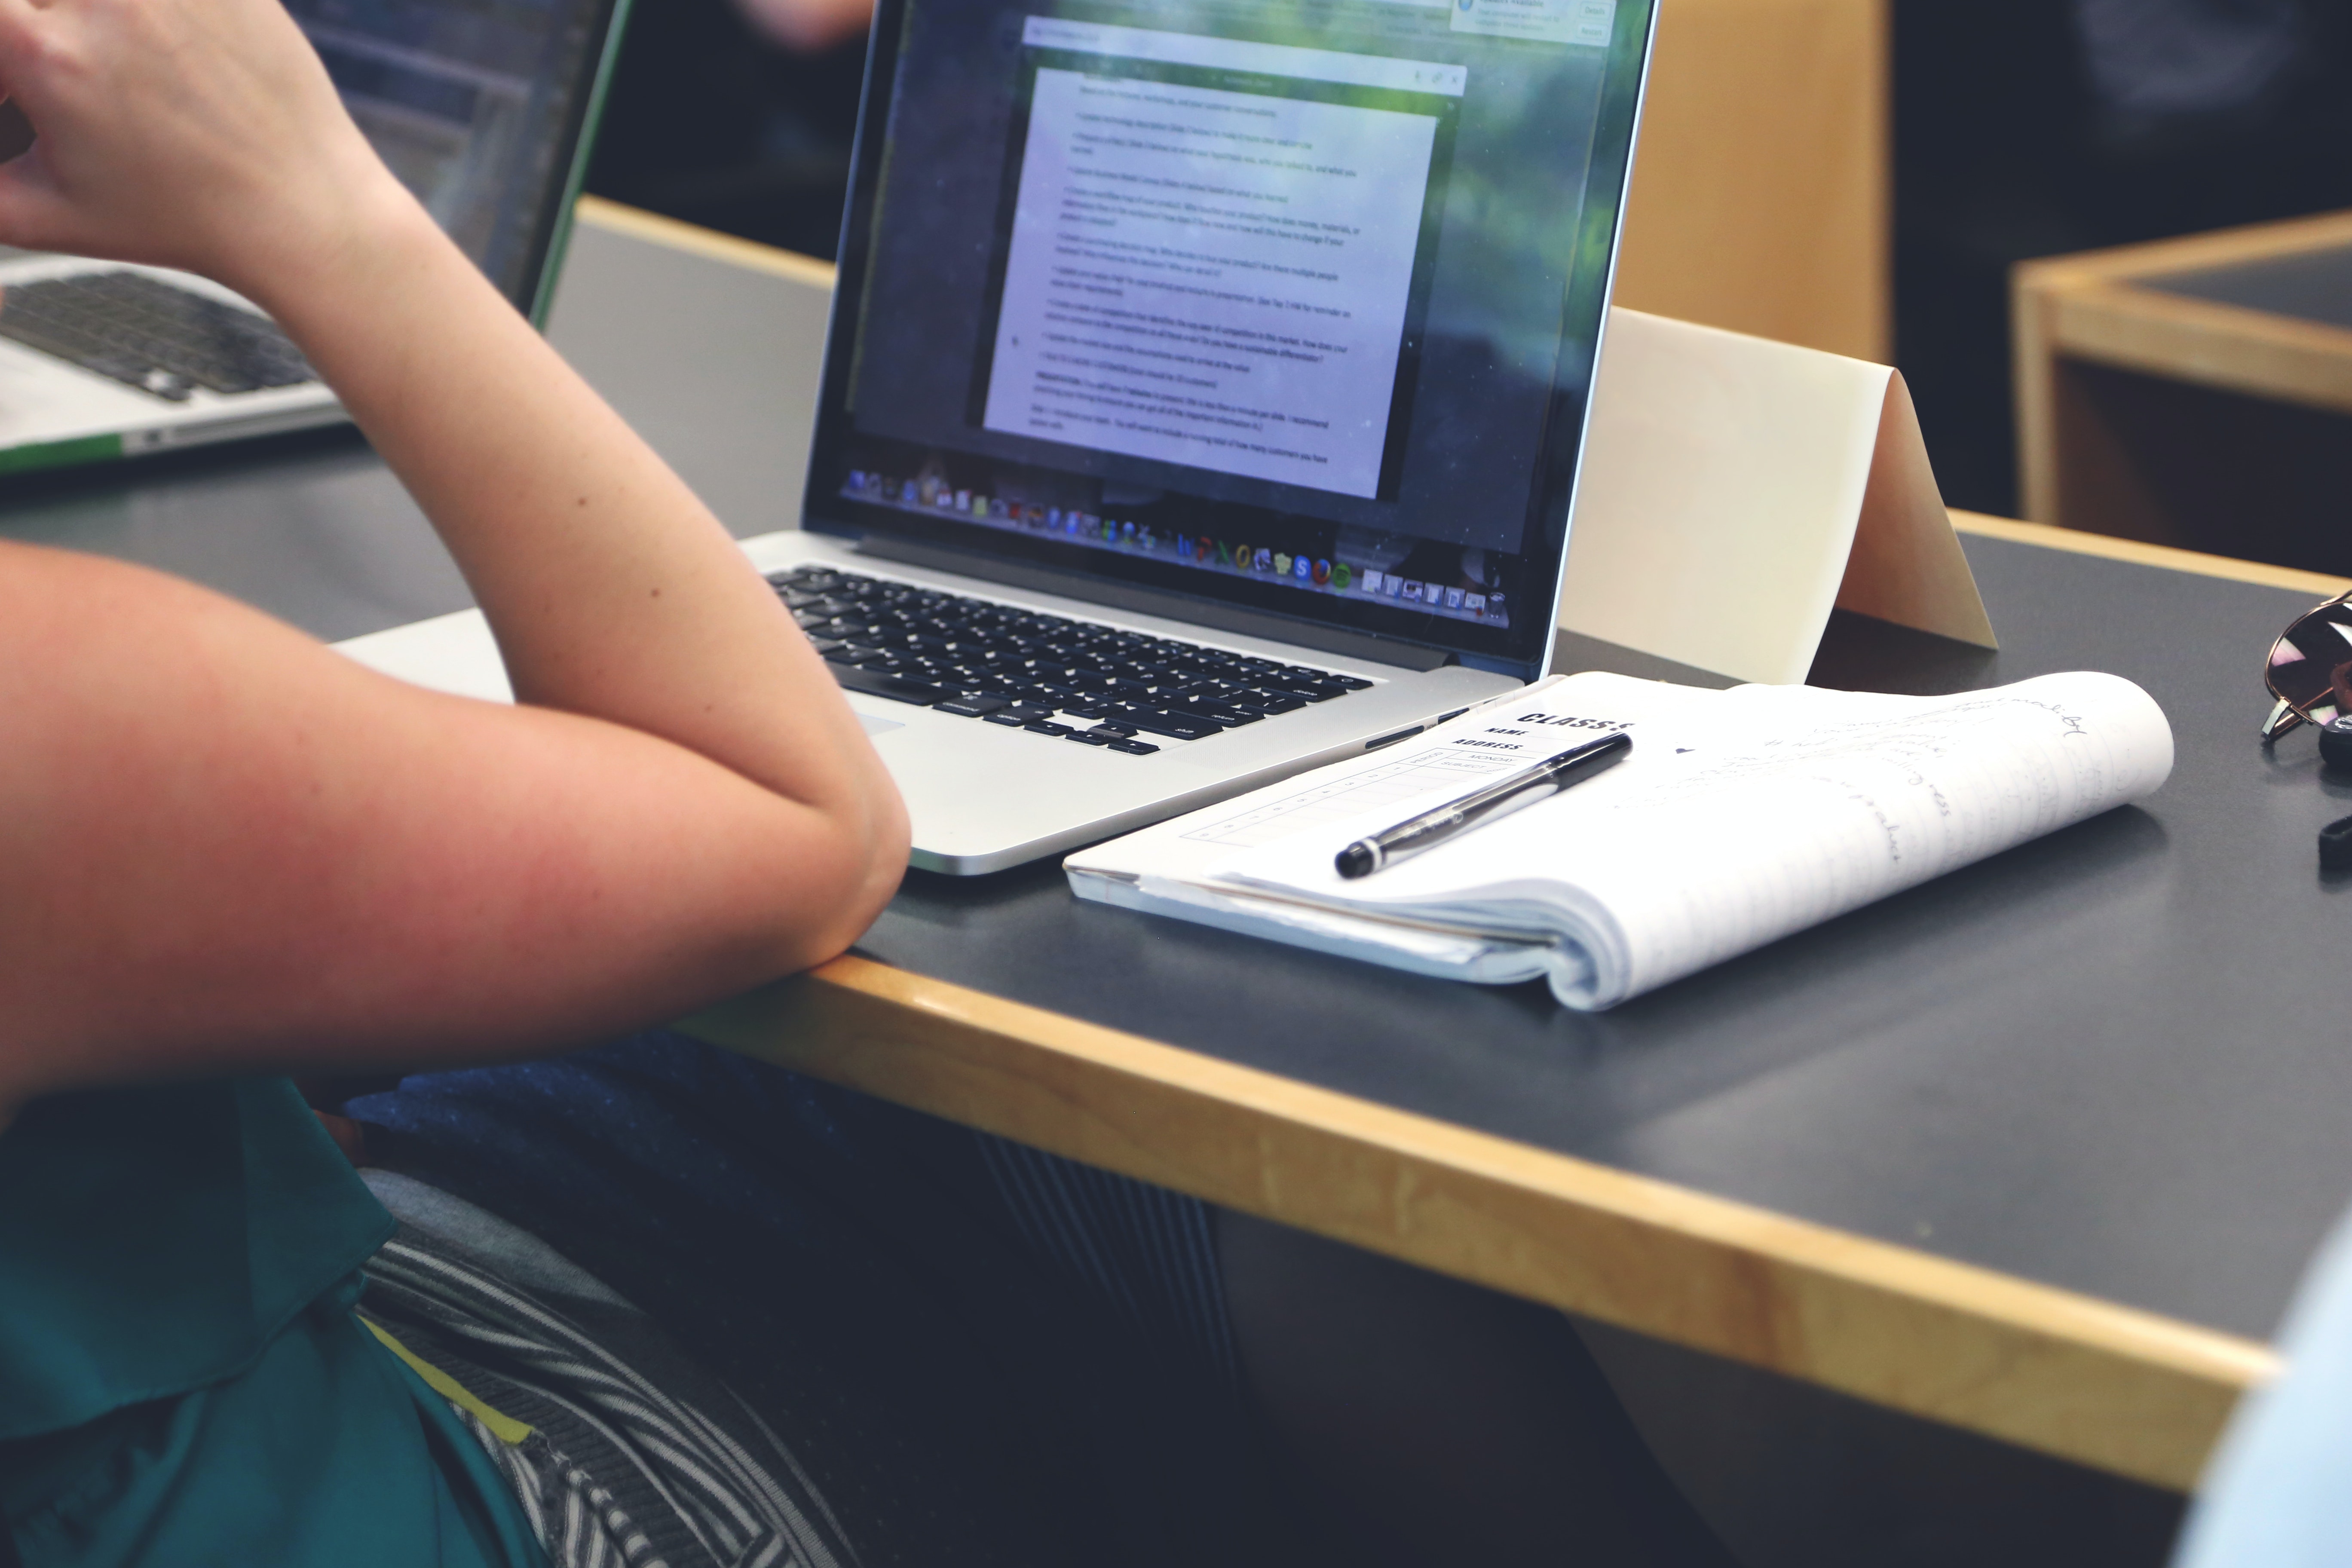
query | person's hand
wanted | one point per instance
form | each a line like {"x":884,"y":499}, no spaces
{"x":202,"y":135}
{"x":808,"y":27}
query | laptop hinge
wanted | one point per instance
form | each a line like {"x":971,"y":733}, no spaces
{"x":1153,"y":602}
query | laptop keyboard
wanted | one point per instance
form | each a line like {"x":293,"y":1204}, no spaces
{"x":1000,"y":664}
{"x":147,"y":333}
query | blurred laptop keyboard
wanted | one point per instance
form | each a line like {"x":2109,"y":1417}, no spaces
{"x":150,"y":334}
{"x":1009,"y":666}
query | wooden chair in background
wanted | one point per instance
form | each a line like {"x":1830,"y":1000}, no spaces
{"x":1759,"y":200}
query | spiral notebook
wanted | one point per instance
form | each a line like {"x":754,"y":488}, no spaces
{"x":1740,"y":817}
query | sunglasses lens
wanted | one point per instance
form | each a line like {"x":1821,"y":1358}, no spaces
{"x":2311,"y":664}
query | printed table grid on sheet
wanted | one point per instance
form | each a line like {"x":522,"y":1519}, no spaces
{"x":1398,"y":781}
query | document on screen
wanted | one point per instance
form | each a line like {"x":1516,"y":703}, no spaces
{"x":1216,"y":278}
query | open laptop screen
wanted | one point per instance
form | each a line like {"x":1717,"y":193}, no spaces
{"x":479,"y":106}
{"x":1288,"y":303}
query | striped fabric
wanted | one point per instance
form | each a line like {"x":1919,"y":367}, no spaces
{"x":1150,"y":1254}
{"x":980,"y":1355}
{"x":615,"y":1471}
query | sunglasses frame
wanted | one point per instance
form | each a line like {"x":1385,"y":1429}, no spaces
{"x":2284,"y":715}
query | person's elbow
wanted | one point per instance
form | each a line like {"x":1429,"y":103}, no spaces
{"x":856,"y":871}
{"x":884,"y":840}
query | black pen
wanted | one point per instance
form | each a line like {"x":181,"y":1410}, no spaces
{"x":1431,"y":828}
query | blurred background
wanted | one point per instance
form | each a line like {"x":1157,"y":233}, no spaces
{"x":737,"y":115}
{"x":2002,"y":130}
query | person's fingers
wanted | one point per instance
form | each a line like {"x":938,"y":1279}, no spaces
{"x":16,"y":17}
{"x":26,"y":37}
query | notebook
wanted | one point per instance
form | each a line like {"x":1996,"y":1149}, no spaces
{"x":1738,"y":818}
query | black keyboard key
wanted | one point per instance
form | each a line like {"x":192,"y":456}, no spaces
{"x":1349,"y":683}
{"x":1134,"y":748}
{"x":1010,"y":720}
{"x":1230,"y":718}
{"x":898,"y":688}
{"x":1268,"y":702}
{"x":1176,"y":726}
{"x":1306,"y":683}
{"x":1047,"y":726}
{"x":1115,"y":729}
{"x":969,"y":707}
{"x":1090,"y":738}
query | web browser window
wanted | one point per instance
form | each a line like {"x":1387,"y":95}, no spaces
{"x":1216,"y":278}
{"x":1298,"y":295}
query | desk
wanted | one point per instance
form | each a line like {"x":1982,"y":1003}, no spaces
{"x":2194,"y":392}
{"x":2037,"y":1150}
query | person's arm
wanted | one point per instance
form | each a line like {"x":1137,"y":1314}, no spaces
{"x":222,"y":845}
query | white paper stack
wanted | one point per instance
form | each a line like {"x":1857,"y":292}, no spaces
{"x":1740,"y":817}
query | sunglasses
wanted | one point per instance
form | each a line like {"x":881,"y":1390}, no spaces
{"x":2310,"y":670}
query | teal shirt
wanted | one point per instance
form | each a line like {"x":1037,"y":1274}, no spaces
{"x":182,"y":1379}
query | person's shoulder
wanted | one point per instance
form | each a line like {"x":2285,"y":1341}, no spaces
{"x":2279,"y":1489}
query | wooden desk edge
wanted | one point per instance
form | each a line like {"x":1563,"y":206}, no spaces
{"x":2318,"y":584}
{"x":2123,"y":1390}
{"x":2190,"y":253}
{"x":639,"y":223}
{"x":2104,"y":1385}
{"x":2205,"y":342}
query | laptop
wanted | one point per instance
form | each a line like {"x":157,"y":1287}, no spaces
{"x":483,"y":109}
{"x":1203,"y":398}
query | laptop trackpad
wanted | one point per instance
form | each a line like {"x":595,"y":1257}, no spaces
{"x":877,"y":726}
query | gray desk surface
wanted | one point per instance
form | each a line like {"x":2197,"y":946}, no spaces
{"x":2311,"y":286}
{"x":2091,"y":1062}
{"x":2111,"y":1061}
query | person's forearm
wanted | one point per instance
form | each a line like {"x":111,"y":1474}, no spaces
{"x":230,"y":849}
{"x":612,"y":591}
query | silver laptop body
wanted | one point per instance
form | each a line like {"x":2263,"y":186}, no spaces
{"x":1203,"y":395}
{"x":486,"y":112}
